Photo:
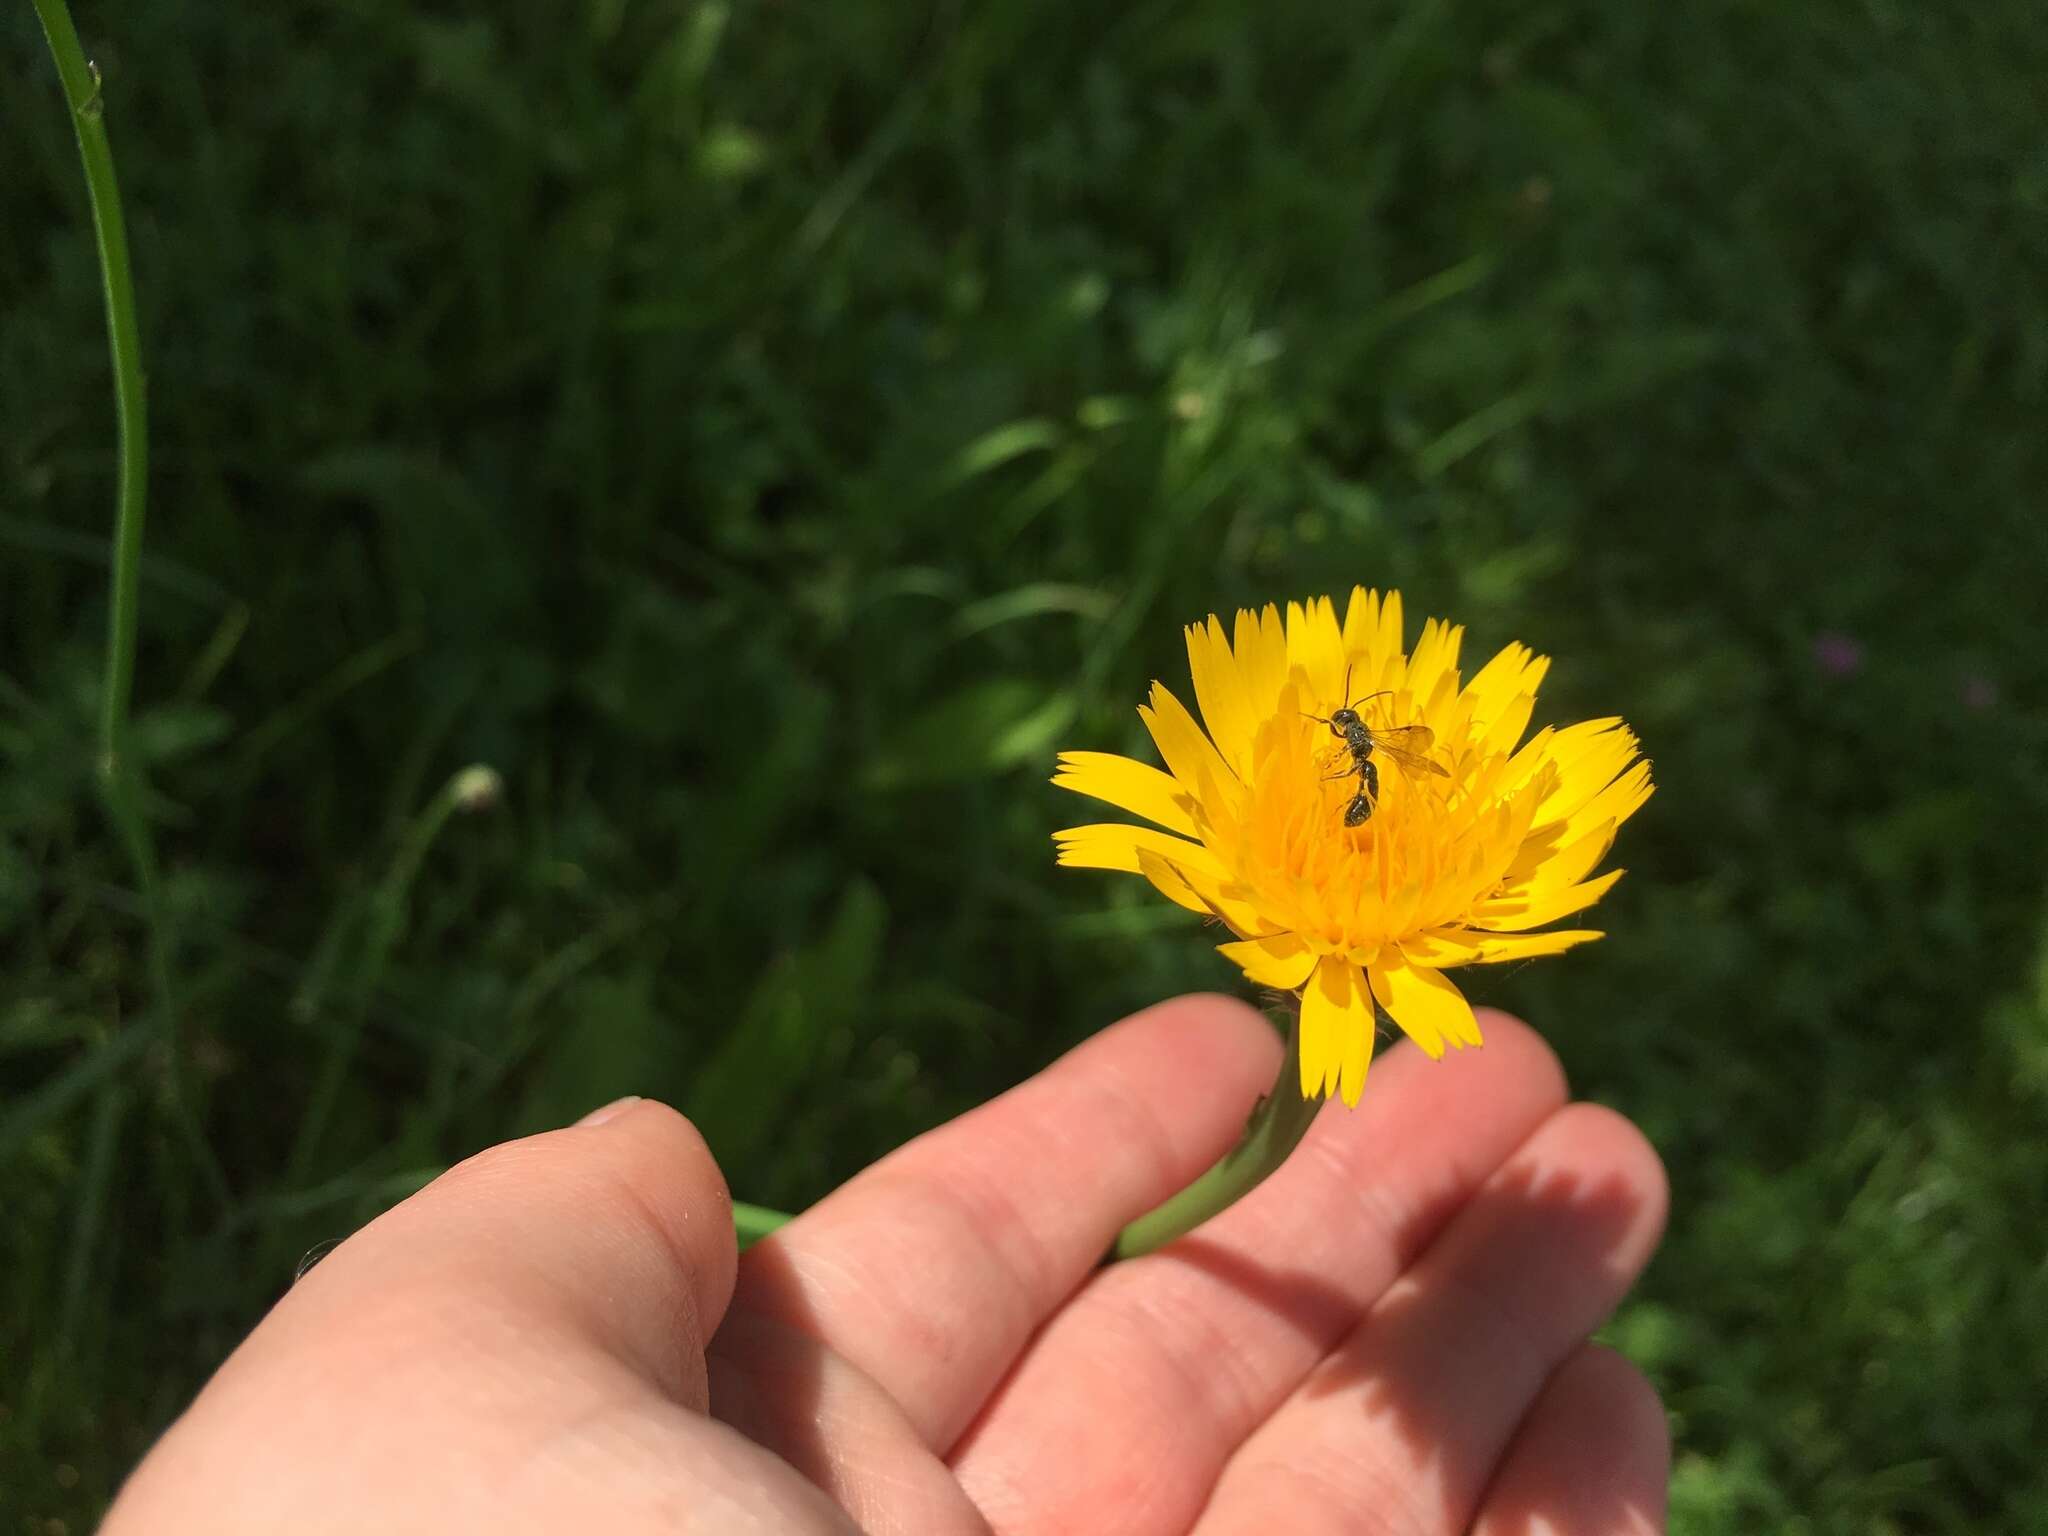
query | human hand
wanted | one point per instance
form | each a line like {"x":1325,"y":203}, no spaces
{"x":1389,"y":1335}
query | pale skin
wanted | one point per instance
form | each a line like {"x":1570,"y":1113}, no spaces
{"x":1388,"y":1336}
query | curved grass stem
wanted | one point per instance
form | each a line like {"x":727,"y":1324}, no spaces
{"x":81,"y":80}
{"x":119,"y":788}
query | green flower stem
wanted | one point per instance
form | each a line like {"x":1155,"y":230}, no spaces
{"x":1277,"y":1124}
{"x":754,"y":1222}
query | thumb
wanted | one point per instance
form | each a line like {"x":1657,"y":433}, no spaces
{"x":540,"y":1280}
{"x":616,"y":1233}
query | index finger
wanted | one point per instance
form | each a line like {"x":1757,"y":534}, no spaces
{"x":930,"y":1270}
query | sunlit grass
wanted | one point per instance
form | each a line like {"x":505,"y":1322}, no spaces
{"x":763,"y":436}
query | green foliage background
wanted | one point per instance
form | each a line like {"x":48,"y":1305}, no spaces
{"x":763,"y":433}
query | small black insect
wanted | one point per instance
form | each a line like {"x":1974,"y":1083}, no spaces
{"x":1402,"y":744}
{"x":1359,"y":808}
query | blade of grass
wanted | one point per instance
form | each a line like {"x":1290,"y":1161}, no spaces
{"x":33,"y":1111}
{"x":1030,"y":601}
{"x":167,"y":576}
{"x":1476,"y":430}
{"x":80,"y":79}
{"x":471,"y":788}
{"x":227,"y":635}
{"x":91,"y":1207}
{"x":525,"y":1022}
{"x":352,"y":673}
{"x":358,"y":1188}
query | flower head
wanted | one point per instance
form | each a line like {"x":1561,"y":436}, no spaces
{"x":1360,"y":869}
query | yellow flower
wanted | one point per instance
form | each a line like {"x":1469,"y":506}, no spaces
{"x":1457,"y":858}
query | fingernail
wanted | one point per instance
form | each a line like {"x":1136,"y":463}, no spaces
{"x":611,"y":1111}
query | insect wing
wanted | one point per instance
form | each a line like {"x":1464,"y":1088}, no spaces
{"x":1406,"y":745}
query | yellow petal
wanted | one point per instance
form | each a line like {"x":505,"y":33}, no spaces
{"x":1430,"y":1010}
{"x":1116,"y":845}
{"x":1547,"y":905}
{"x":1131,"y":786}
{"x":1316,"y":646}
{"x":1565,"y":748}
{"x":1616,"y":803}
{"x":1319,"y":1018}
{"x":1372,"y":641}
{"x":1543,"y":865}
{"x":1283,"y":961}
{"x":1587,"y":761}
{"x":1441,"y":948}
{"x":1432,"y":670}
{"x":1190,"y":756}
{"x":1172,"y":883}
{"x":1497,"y":737}
{"x":1221,"y":901}
{"x":1336,"y":1032}
{"x":1358,"y":1044}
{"x":1530,"y":764}
{"x":1585,"y":736}
{"x":1262,"y":658}
{"x":1361,"y":622}
{"x":1514,"y":671}
{"x":1220,"y":691}
{"x":1392,"y":639}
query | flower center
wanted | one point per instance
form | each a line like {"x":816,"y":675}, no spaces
{"x":1354,"y":876}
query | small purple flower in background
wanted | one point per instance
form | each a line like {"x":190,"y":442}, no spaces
{"x":1837,"y":654}
{"x":1980,"y":693}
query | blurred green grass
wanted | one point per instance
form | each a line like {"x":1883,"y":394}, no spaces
{"x":763,"y":434}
